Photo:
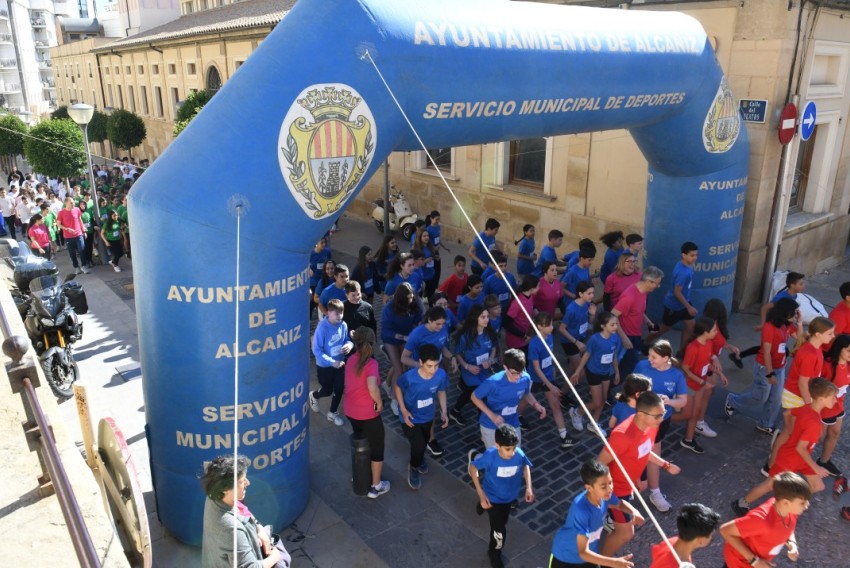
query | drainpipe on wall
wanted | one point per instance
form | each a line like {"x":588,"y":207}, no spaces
{"x":781,"y":201}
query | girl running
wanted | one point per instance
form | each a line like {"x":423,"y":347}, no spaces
{"x":543,"y":374}
{"x":429,"y":272}
{"x":383,"y":256}
{"x":398,"y":319}
{"x":475,"y":345}
{"x":526,"y":257}
{"x":548,"y":297}
{"x":364,"y":273}
{"x":837,"y":371}
{"x":698,"y":374}
{"x":515,"y":322}
{"x":600,"y":365}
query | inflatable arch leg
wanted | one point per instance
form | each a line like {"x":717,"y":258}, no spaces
{"x":306,"y":121}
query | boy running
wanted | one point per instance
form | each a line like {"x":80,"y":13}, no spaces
{"x":758,"y":537}
{"x":506,"y":466}
{"x":696,"y":524}
{"x":577,"y":542}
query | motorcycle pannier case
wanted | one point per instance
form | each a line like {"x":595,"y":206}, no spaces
{"x":76,"y":296}
{"x":31,"y":269}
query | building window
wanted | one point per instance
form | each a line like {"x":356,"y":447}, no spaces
{"x":78,"y":70}
{"x":191,"y":69}
{"x":213,"y":80}
{"x":829,"y":69}
{"x":238,"y":63}
{"x":143,"y":97}
{"x":443,"y":157}
{"x":157,"y":101}
{"x":802,"y":169}
{"x":175,"y":99}
{"x":172,"y":69}
{"x":90,"y":72}
{"x":524,"y":165}
{"x":120,"y":97}
{"x":111,"y":101}
{"x":128,"y":70}
{"x":187,"y":8}
{"x":93,"y":99}
{"x":131,"y":98}
{"x":155,"y":69}
{"x":117,"y":69}
{"x":106,"y":70}
{"x":141,"y":69}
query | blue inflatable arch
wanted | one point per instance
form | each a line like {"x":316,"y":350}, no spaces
{"x":306,"y":121}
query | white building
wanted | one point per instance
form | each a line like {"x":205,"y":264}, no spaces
{"x":28,"y":29}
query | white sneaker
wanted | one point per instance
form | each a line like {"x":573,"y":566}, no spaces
{"x":78,"y":271}
{"x":394,"y":406}
{"x":703,"y":429}
{"x":116,"y":268}
{"x":335,"y":418}
{"x":575,"y":417}
{"x":659,"y":501}
{"x":376,"y":491}
{"x":314,"y":403}
{"x":85,"y":270}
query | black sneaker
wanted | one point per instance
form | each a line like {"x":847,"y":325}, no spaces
{"x":566,"y":402}
{"x":736,"y":360}
{"x":496,"y":559}
{"x":766,"y":429}
{"x":738,"y":509}
{"x":765,"y":470}
{"x":567,"y":442}
{"x":692,"y":445}
{"x":523,"y":424}
{"x":435,"y":449}
{"x":830,"y":467}
{"x":728,"y":408}
{"x":456,"y":417}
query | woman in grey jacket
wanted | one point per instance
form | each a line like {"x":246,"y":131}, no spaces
{"x":253,"y":544}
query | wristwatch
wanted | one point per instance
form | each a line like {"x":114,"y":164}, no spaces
{"x":771,"y":374}
{"x":754,"y":561}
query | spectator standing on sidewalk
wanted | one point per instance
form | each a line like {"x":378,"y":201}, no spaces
{"x":7,"y":207}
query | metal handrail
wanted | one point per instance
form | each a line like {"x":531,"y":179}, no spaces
{"x":80,"y":538}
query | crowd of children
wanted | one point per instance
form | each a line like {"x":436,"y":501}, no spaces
{"x":53,"y":216}
{"x":493,"y":334}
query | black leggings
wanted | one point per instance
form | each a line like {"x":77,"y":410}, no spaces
{"x":116,"y":250}
{"x":499,"y":514}
{"x":465,"y":395}
{"x":332,"y":381}
{"x":373,"y":431}
{"x":418,"y":437}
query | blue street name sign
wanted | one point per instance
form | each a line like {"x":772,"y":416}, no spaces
{"x":754,"y":110}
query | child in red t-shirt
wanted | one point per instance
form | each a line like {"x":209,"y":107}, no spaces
{"x":756,"y":538}
{"x":796,"y":453}
{"x":807,"y":364}
{"x":632,"y":442}
{"x":453,"y":286}
{"x":837,"y":371}
{"x":698,"y":374}
{"x":696,"y":524}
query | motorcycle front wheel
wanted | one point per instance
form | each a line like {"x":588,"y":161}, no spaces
{"x":61,"y":377}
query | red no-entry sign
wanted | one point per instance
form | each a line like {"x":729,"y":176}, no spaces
{"x":787,"y":123}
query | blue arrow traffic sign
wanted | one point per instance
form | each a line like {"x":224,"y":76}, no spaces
{"x":807,"y":120}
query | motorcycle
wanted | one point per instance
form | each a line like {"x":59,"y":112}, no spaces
{"x":49,"y":309}
{"x":53,"y":327}
{"x":401,"y":215}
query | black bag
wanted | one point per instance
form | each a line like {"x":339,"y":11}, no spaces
{"x":76,"y":296}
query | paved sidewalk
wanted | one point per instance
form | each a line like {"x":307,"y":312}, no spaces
{"x":437,"y":525}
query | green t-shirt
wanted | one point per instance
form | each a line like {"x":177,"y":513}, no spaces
{"x":50,"y":222}
{"x":112,"y":230}
{"x":85,"y":219}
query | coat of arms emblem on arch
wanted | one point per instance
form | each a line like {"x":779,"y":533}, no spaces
{"x":326,"y":143}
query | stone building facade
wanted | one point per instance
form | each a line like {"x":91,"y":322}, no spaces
{"x":583,"y":184}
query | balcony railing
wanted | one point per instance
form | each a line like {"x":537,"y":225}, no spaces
{"x":8,"y":62}
{"x":38,"y":22}
{"x":45,"y":64}
{"x":6,"y":38}
{"x":10,"y":88}
{"x":4,"y":14}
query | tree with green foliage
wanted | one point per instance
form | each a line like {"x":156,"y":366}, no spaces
{"x":125,"y":129}
{"x":194,"y":102}
{"x":97,"y":127}
{"x":60,"y":113}
{"x":56,"y":148}
{"x":12,"y":130}
{"x":180,"y":125}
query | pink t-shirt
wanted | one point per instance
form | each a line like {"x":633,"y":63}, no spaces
{"x":358,"y":403}
{"x":520,"y":320}
{"x":546,"y":299}
{"x":632,"y":307}
{"x":71,"y":220}
{"x":616,"y":284}
{"x":41,"y":235}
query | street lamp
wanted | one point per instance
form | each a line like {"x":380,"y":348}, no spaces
{"x":82,"y":114}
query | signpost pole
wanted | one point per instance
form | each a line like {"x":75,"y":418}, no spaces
{"x":780,"y":211}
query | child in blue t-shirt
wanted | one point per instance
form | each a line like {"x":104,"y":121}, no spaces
{"x":479,"y":259}
{"x":549,"y":254}
{"x":579,"y":272}
{"x":600,"y":363}
{"x":415,"y":391}
{"x":677,"y":301}
{"x":627,"y":400}
{"x":543,"y":374}
{"x":506,"y":466}
{"x":577,"y":542}
{"x":495,"y":284}
{"x":494,"y":308}
{"x":525,"y":255}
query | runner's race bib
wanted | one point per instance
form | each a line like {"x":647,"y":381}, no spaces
{"x":506,"y":471}
{"x":423,"y":402}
